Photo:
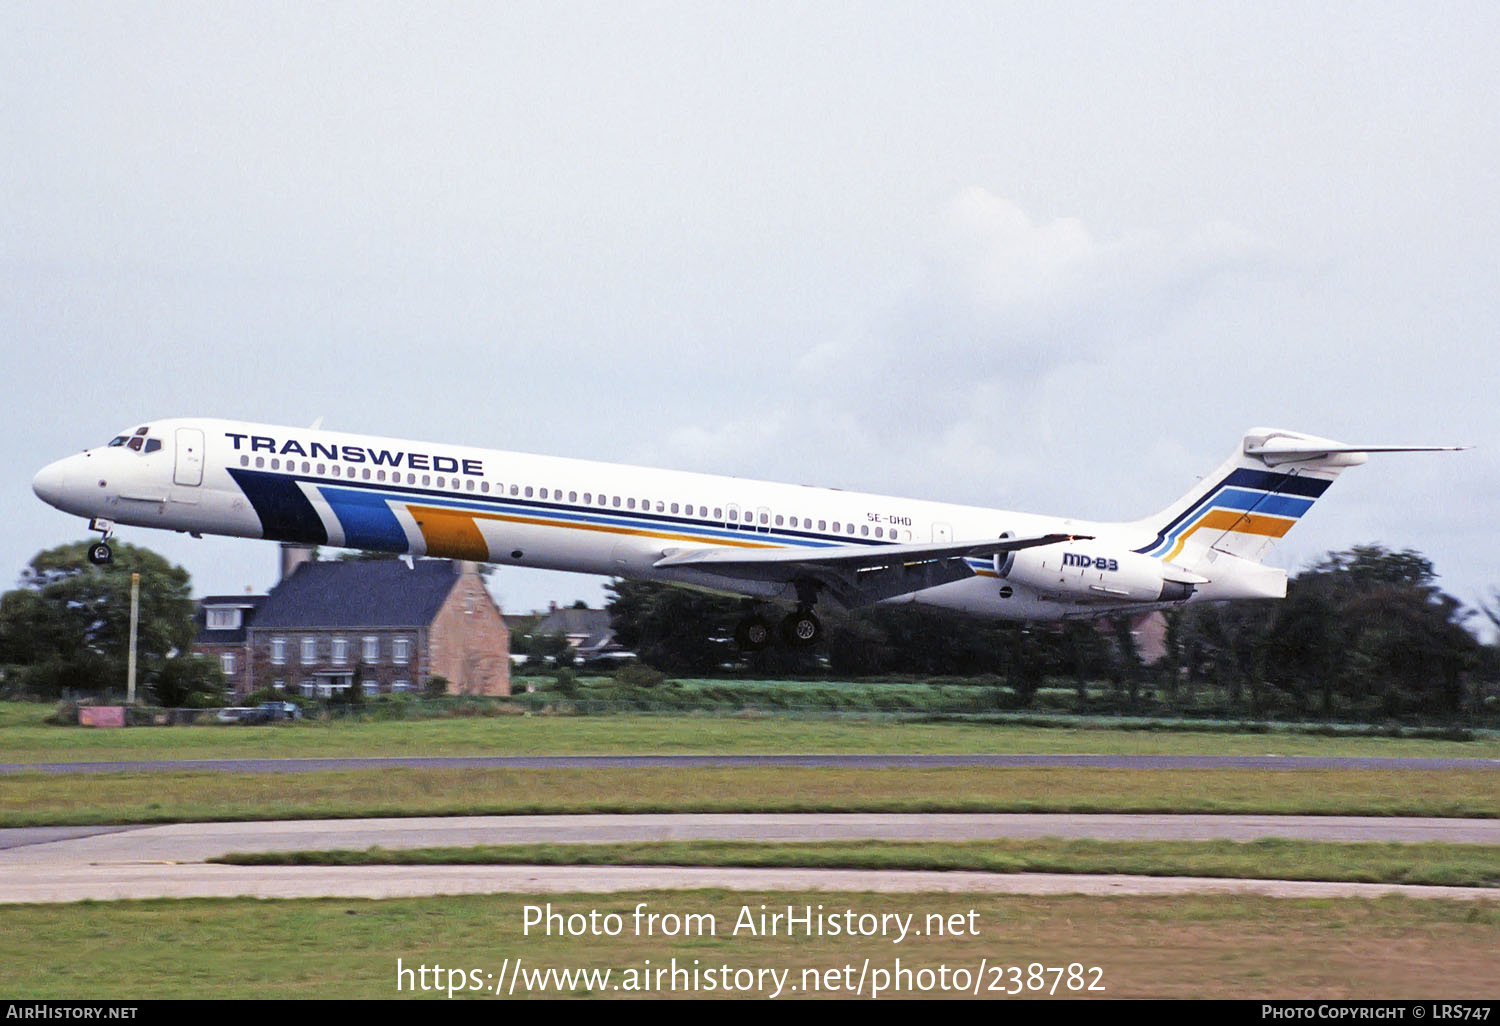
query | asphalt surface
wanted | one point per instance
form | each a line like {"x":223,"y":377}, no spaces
{"x":1185,"y":762}
{"x":103,"y":863}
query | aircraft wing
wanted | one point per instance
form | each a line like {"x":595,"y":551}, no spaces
{"x":856,"y":575}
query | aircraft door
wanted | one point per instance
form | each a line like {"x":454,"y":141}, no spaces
{"x":189,"y":469}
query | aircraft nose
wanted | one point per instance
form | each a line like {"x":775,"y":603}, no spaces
{"x":50,"y":483}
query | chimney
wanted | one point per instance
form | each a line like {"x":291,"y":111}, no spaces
{"x":552,"y":607}
{"x":294,"y":555}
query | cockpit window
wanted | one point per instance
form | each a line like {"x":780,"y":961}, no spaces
{"x":142,"y":430}
{"x":135,"y":443}
{"x":118,"y":440}
{"x":153,"y":444}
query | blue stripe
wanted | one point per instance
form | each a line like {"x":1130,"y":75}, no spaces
{"x":363,"y":511}
{"x":1260,"y":502}
{"x":366,"y":518}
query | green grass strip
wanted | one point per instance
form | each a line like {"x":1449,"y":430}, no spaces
{"x":1193,"y":947}
{"x":24,"y":737}
{"x":38,"y":799}
{"x":1457,"y":865}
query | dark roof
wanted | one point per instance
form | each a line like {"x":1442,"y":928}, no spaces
{"x":249,"y":603}
{"x":593,"y":625}
{"x":359,"y":593}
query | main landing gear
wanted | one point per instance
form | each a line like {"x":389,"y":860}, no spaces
{"x":100,"y":552}
{"x":799,"y":629}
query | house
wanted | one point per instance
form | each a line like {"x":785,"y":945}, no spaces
{"x":223,"y":623}
{"x":379,"y":622}
{"x":587,"y":631}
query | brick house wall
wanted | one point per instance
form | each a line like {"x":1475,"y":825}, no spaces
{"x":469,"y":643}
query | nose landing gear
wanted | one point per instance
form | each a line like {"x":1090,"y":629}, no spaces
{"x":100,"y":552}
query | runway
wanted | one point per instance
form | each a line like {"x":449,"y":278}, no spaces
{"x":73,"y":863}
{"x":687,"y":762}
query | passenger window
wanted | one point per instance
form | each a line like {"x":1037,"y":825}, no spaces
{"x":260,"y":461}
{"x":778,"y":519}
{"x":630,"y":504}
{"x":572,"y":496}
{"x":717,"y":514}
{"x":674,"y":507}
{"x":864,"y":530}
{"x":322,"y":469}
{"x":275,"y":463}
{"x":528,"y":491}
{"x":615,"y":502}
{"x":823,"y":525}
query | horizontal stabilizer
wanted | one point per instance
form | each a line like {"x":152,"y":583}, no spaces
{"x":1289,"y":449}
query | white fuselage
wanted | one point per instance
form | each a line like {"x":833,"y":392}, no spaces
{"x":344,"y":490}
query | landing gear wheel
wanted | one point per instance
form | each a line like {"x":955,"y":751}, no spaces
{"x":801,"y":629}
{"x":100,"y":554}
{"x":752,"y":634}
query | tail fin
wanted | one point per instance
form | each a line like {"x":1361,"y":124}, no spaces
{"x":1254,"y":498}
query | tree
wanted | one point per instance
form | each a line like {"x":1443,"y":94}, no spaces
{"x":189,"y":680}
{"x":672,"y":629}
{"x":68,"y":624}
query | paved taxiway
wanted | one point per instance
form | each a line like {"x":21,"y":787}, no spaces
{"x":73,"y":863}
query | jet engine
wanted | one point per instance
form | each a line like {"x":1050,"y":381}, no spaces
{"x":1085,"y":571}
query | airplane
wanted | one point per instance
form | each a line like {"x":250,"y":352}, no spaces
{"x":774,"y":544}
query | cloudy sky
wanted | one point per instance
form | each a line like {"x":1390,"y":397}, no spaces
{"x":1043,"y":256}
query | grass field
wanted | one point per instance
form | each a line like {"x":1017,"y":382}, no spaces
{"x":1454,"y":865}
{"x":37,"y":799}
{"x":25,"y":738}
{"x":1217,"y":947}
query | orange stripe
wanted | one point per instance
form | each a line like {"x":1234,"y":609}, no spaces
{"x":1247,"y":523}
{"x":450,"y":533}
{"x":457,"y":530}
{"x":1234,"y":520}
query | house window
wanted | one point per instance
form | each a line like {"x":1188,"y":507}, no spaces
{"x":401,"y":651}
{"x":279,"y":684}
{"x":223,"y":619}
{"x":278,"y":651}
{"x":371,"y":652}
{"x":227,"y":661}
{"x":309,"y":649}
{"x":340,"y":651}
{"x":401,"y":685}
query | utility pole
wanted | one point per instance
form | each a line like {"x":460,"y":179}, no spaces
{"x":135,"y":611}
